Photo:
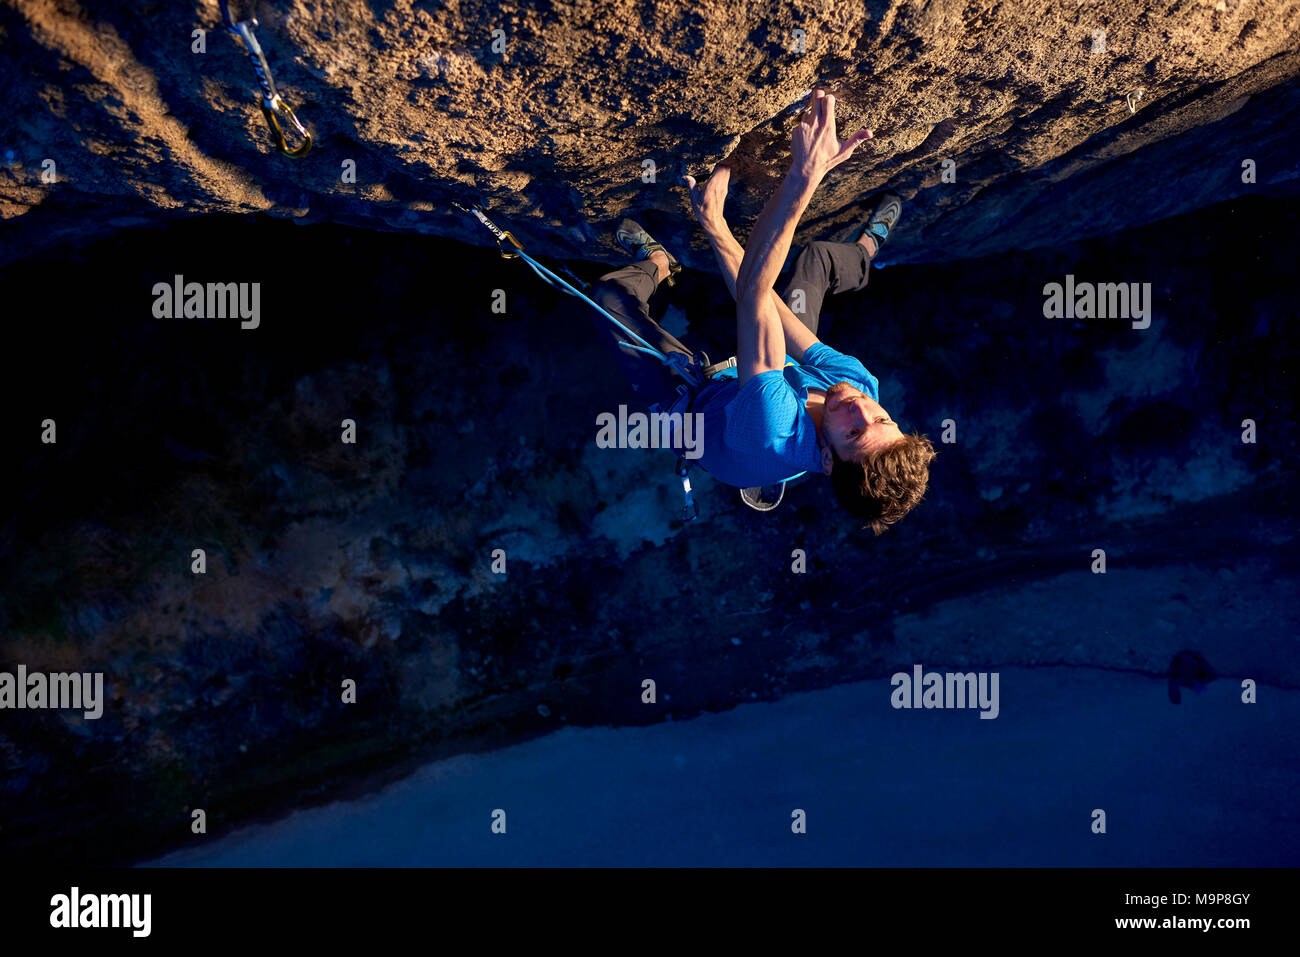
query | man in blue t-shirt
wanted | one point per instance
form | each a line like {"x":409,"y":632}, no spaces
{"x":790,"y":404}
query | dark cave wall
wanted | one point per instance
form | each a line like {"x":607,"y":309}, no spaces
{"x":476,"y":432}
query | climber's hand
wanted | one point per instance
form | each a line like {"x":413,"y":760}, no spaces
{"x":708,"y":200}
{"x":814,"y":147}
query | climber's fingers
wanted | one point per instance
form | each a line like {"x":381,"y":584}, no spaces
{"x":709,"y":198}
{"x":849,"y":145}
{"x":696,"y":195}
{"x":856,"y":139}
{"x":828,"y":111}
{"x":809,"y":116}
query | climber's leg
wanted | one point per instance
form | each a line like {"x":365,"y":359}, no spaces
{"x":625,"y":293}
{"x":824,"y":268}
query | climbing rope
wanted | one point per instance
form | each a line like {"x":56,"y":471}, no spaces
{"x":675,"y":361}
{"x":512,"y":248}
{"x":760,"y":499}
{"x":273,"y":105}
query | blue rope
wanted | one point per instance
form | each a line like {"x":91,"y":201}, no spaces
{"x":677,"y":364}
{"x":640,"y":344}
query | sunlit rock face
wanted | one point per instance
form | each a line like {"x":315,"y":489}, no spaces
{"x":1005,"y":125}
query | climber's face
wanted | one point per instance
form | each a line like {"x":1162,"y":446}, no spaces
{"x":854,"y":424}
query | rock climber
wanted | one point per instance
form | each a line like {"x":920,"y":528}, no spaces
{"x":790,"y":404}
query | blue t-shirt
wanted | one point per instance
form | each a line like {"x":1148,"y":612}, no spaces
{"x":761,"y":433}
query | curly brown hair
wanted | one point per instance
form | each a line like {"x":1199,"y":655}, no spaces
{"x":884,"y":485}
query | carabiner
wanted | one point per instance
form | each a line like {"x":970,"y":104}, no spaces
{"x":269,"y":110}
{"x":272,"y":102}
{"x":503,"y":236}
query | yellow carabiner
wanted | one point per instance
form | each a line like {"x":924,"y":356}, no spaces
{"x":518,"y":245}
{"x":277,"y":105}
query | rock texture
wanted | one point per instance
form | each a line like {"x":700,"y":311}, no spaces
{"x":1060,"y":118}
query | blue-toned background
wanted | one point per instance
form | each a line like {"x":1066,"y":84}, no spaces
{"x":523,"y":692}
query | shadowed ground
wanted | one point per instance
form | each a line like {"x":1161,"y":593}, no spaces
{"x":372,"y":562}
{"x":1208,"y":784}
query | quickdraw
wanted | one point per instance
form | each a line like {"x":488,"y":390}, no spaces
{"x":273,"y":105}
{"x":503,"y":236}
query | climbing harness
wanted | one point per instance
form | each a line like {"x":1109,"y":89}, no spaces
{"x":697,"y":373}
{"x":273,"y":105}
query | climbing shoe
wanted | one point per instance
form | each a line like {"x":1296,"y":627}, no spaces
{"x":635,"y":241}
{"x":882,"y":221}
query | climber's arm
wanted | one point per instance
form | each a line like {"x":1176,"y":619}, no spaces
{"x":814,"y":151}
{"x":708,"y":202}
{"x":798,"y":337}
{"x":769,"y":242}
{"x":760,"y":337}
{"x":760,"y":341}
